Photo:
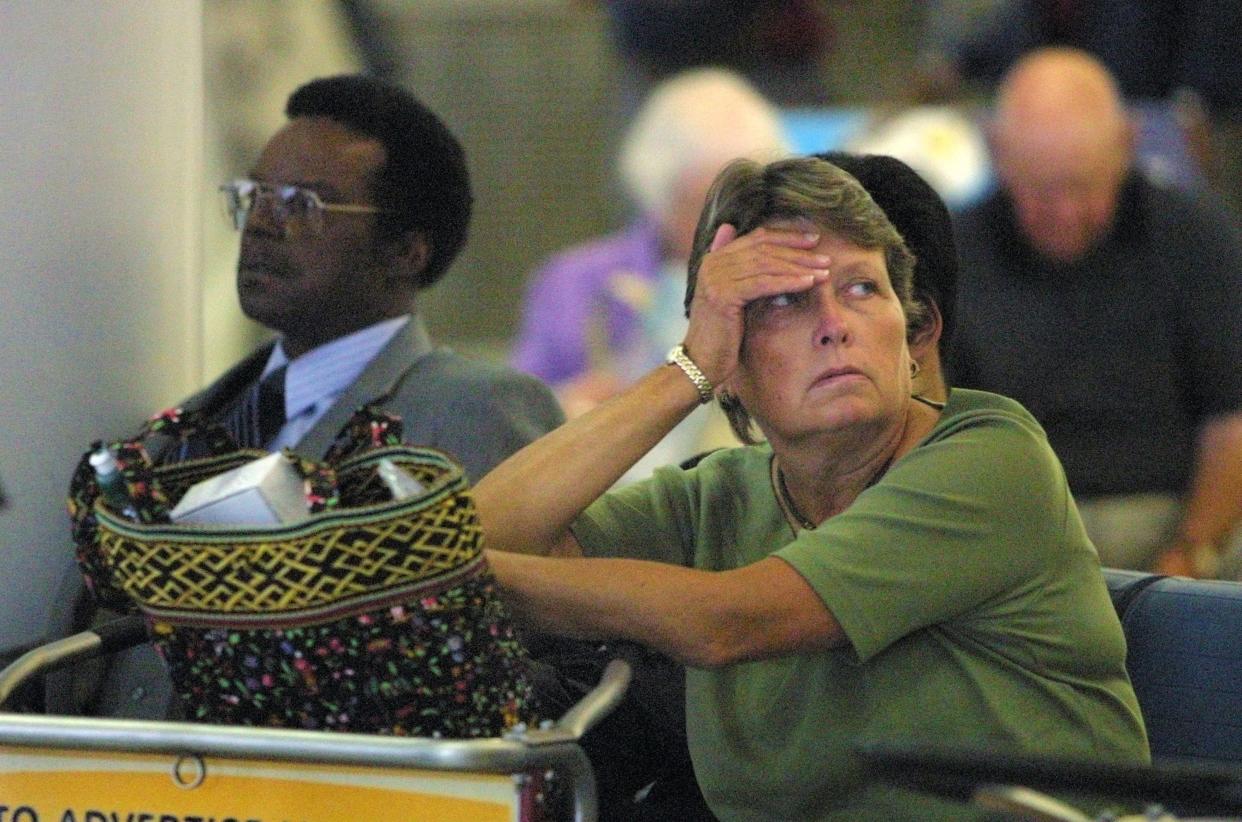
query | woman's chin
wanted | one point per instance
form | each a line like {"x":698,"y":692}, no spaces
{"x":842,"y":417}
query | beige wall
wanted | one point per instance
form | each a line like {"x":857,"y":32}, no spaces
{"x":527,"y":86}
{"x":100,"y":174}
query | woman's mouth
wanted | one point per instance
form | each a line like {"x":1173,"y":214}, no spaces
{"x":836,"y":376}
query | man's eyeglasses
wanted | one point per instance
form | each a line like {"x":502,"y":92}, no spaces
{"x":289,"y":204}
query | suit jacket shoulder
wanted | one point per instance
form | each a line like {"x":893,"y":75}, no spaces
{"x":478,"y":412}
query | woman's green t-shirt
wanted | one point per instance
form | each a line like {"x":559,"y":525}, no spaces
{"x":973,"y":600}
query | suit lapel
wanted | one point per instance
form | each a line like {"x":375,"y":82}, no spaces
{"x":212,"y":400}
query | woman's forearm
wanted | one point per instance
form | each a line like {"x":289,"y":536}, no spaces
{"x":527,"y":503}
{"x":643,"y":602}
{"x":700,"y":618}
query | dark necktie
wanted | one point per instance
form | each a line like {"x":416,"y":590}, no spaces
{"x":260,"y":412}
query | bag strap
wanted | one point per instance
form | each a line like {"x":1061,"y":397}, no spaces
{"x":370,"y":427}
{"x":205,"y":430}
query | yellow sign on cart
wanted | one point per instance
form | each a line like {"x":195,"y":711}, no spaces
{"x":56,"y":785}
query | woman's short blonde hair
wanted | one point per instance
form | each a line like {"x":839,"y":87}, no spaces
{"x":748,"y":194}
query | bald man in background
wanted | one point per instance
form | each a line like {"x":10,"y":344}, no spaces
{"x":1111,"y":307}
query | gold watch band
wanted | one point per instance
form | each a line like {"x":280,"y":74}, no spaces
{"x":680,"y":358}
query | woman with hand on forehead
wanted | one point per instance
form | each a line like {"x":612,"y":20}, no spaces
{"x":878,"y":567}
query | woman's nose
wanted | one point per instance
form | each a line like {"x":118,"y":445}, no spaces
{"x":831,"y":328}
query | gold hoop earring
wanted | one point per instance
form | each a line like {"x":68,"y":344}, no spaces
{"x":915,"y":368}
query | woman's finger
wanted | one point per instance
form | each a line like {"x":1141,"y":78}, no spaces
{"x":735,"y":265}
{"x":757,"y":249}
{"x":725,"y":234}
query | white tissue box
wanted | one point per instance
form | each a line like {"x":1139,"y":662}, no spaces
{"x":267,"y":491}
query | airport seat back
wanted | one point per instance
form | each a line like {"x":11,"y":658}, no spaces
{"x":1184,"y":656}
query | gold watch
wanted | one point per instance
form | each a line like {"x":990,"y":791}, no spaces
{"x":679,"y":357}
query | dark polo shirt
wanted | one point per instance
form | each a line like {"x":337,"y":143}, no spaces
{"x":1120,"y":355}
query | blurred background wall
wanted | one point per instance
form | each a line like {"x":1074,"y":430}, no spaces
{"x":101,"y":147}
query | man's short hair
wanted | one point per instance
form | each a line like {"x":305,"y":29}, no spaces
{"x":424,"y":182}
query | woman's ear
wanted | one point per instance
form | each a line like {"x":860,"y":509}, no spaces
{"x":729,"y":385}
{"x":925,"y":339}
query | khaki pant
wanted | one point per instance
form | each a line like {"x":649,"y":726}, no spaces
{"x":1132,"y":531}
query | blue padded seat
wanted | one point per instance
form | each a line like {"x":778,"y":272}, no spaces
{"x":1185,"y":659}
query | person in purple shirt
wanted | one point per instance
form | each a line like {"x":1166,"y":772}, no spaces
{"x":599,"y":314}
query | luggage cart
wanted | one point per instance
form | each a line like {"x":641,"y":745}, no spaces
{"x":75,"y":769}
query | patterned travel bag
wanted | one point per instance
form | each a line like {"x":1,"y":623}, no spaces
{"x":374,"y":614}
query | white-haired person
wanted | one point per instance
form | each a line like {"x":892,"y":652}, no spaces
{"x":883,"y":566}
{"x":600,"y":314}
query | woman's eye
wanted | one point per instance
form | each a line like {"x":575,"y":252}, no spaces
{"x":780,"y":305}
{"x":862,"y":288}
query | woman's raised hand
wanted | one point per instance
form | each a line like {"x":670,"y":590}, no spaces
{"x":736,"y":271}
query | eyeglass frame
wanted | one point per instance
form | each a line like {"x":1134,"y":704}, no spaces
{"x":280,"y":196}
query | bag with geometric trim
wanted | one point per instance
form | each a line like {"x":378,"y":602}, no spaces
{"x":372,"y":615}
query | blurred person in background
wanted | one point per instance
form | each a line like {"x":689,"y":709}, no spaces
{"x":599,"y":315}
{"x":1174,"y":60}
{"x":1111,"y":307}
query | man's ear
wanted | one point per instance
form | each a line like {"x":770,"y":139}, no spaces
{"x":410,"y":254}
{"x":926,"y":337}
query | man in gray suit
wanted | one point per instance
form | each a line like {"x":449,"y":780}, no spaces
{"x":357,"y":204}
